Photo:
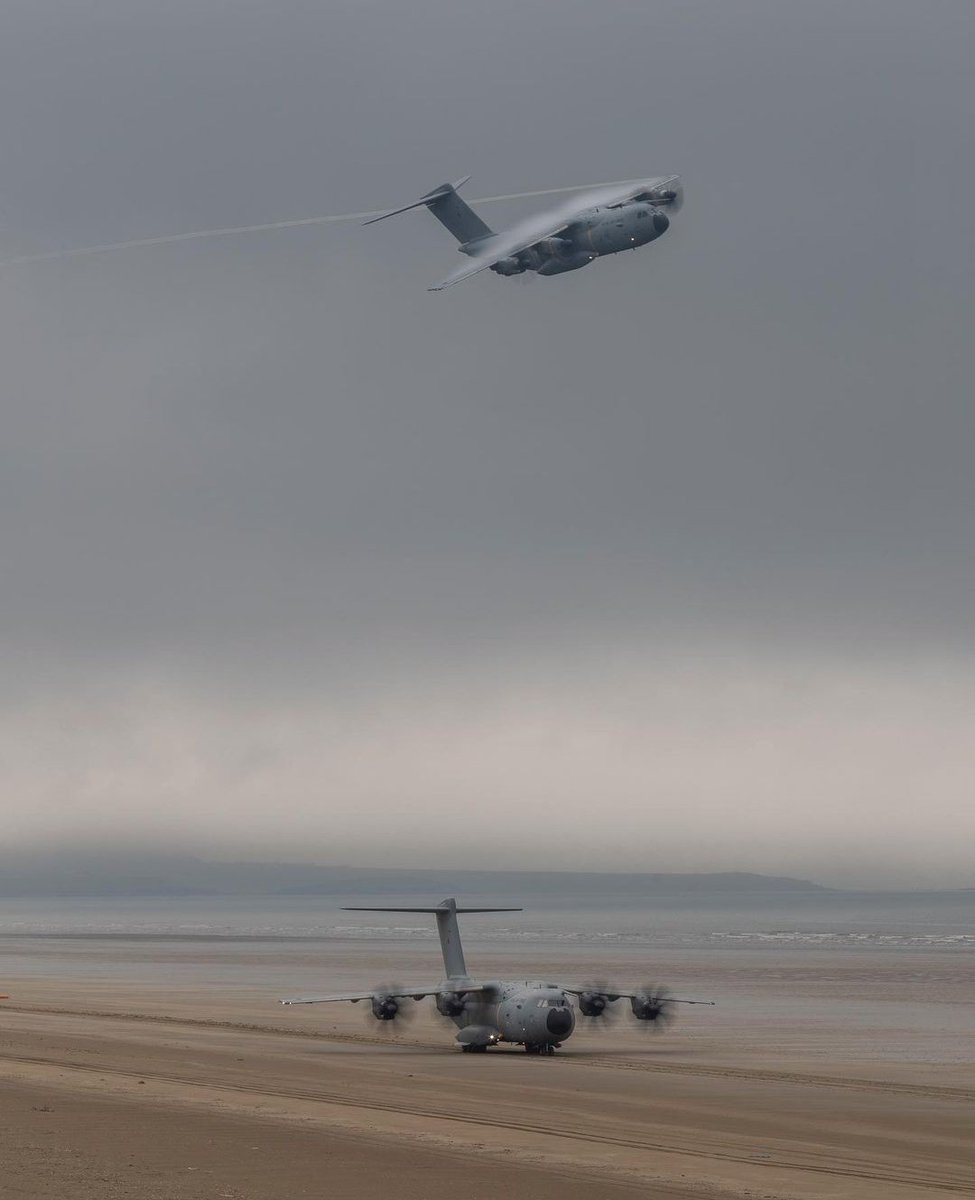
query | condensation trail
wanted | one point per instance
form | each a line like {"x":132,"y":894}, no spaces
{"x":200,"y":234}
{"x":168,"y":238}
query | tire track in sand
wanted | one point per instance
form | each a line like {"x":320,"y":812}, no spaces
{"x":784,"y":1160}
{"x":576,"y":1058}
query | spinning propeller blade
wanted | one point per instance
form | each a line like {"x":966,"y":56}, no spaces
{"x":390,"y":1008}
{"x":653,"y":1007}
{"x":598,"y":1005}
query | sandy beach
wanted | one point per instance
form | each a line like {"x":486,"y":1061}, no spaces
{"x":148,"y":1068}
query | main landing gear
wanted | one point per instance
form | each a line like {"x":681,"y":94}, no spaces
{"x":474,"y":1048}
{"x":541,"y":1047}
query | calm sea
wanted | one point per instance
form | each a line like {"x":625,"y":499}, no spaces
{"x":893,"y":921}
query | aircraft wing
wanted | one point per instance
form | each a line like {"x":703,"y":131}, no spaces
{"x":616,"y":994}
{"x":417,"y":993}
{"x":545,"y":225}
{"x":504,"y":245}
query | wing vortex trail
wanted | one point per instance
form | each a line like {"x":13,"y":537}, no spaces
{"x":298,"y":223}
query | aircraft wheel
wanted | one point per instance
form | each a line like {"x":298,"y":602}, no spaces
{"x":532,"y":1048}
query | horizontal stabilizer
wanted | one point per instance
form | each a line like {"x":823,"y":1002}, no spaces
{"x":438,"y":193}
{"x":440,"y":909}
{"x":446,"y":913}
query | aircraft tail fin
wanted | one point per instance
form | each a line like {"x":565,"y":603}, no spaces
{"x":462,"y":221}
{"x":446,"y":913}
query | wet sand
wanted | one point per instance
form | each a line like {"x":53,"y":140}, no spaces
{"x":154,"y":1069}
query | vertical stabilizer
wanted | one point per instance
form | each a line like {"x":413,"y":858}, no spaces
{"x":462,"y":221}
{"x":449,"y":930}
{"x":452,"y":212}
{"x":446,"y":913}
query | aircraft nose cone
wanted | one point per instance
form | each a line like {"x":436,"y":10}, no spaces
{"x":559,"y":1021}
{"x":661,"y":222}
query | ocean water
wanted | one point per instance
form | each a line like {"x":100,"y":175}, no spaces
{"x":903,"y":922}
{"x":881,"y":983}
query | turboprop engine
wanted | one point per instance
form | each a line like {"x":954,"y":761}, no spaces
{"x":568,"y":262}
{"x":385,"y":1008}
{"x":389,"y":1003}
{"x":451,"y":1004}
{"x":509,"y":266}
{"x":653,"y":1004}
{"x":595,"y":1003}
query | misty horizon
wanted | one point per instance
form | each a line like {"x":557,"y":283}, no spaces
{"x":52,"y":872}
{"x":52,"y":860}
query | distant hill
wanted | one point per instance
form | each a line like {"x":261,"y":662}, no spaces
{"x":69,"y":873}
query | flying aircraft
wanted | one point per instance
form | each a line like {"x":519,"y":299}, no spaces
{"x":600,"y":219}
{"x":603,"y":220}
{"x":536,"y":1014}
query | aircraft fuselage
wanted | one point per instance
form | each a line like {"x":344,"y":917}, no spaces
{"x":534,"y":1014}
{"x":594,"y":234}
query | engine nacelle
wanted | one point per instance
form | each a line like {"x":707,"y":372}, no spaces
{"x":593,"y":1004}
{"x":647,"y":1008}
{"x":509,"y":266}
{"x":450,"y":1004}
{"x":568,"y":262}
{"x":385,"y":1008}
{"x":553,"y":246}
{"x":670,"y":195}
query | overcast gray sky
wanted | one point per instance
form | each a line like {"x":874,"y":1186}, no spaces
{"x":667,"y":564}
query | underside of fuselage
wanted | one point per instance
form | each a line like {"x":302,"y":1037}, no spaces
{"x":595,"y":234}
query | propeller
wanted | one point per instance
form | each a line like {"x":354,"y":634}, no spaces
{"x":598,"y":1004}
{"x":451,"y":1004}
{"x":390,"y":1008}
{"x":669,"y":196}
{"x":653,"y":1007}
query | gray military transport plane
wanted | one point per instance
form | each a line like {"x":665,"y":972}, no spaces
{"x":530,"y":1013}
{"x":602,"y":220}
